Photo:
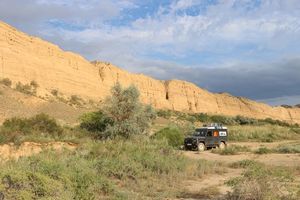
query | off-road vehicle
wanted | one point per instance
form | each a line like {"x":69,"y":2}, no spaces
{"x":208,"y":136}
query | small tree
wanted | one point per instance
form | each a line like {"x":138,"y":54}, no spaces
{"x":128,"y":115}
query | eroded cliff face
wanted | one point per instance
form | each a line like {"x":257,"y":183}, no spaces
{"x":24,"y":58}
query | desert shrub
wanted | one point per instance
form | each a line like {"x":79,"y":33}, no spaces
{"x":44,"y":123}
{"x":288,"y":148}
{"x":275,"y":122}
{"x":263,"y":150}
{"x":202,"y":117}
{"x":75,"y":100}
{"x":244,"y":164}
{"x":244,"y":120}
{"x":172,"y":134}
{"x":27,"y":88}
{"x":164,"y":113}
{"x":231,"y":150}
{"x":222,"y":119}
{"x":286,"y":106}
{"x":1,"y":92}
{"x":128,"y":114}
{"x":34,"y":84}
{"x":41,"y":124}
{"x":296,"y":129}
{"x":54,"y":92}
{"x":261,"y":182}
{"x":95,"y":122}
{"x":6,"y":81}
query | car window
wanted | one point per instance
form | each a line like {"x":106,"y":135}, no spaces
{"x":200,"y":132}
{"x":216,"y":133}
{"x":209,"y":133}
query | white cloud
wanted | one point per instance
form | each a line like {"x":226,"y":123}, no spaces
{"x":227,"y":33}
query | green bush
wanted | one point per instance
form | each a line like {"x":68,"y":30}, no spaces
{"x":173,"y":136}
{"x":275,"y":122}
{"x":96,"y":122}
{"x":241,"y":120}
{"x":164,"y":113}
{"x":41,"y":124}
{"x":128,"y":114}
{"x":6,"y":81}
{"x":202,"y":117}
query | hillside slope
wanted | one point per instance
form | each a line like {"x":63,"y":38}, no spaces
{"x":24,"y":58}
{"x":16,"y":104}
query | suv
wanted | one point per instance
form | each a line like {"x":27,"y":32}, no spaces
{"x":213,"y":135}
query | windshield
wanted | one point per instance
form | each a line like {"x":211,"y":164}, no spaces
{"x":200,"y":132}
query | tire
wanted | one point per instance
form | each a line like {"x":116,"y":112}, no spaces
{"x":201,"y":147}
{"x":222,"y":145}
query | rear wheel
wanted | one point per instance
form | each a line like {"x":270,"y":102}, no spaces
{"x":222,"y":145}
{"x":201,"y":147}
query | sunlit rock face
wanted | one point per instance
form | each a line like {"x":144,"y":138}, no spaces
{"x":24,"y":58}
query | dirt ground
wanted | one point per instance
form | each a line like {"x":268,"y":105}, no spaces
{"x":217,"y":181}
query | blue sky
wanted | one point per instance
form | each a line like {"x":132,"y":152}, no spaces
{"x":247,"y":48}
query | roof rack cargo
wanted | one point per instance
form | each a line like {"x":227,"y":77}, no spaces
{"x":215,"y":125}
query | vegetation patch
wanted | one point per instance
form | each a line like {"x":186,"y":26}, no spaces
{"x":41,"y":125}
{"x":263,"y":150}
{"x":29,"y":89}
{"x":264,"y":133}
{"x":263,"y":182}
{"x":172,"y":135}
{"x":222,"y":119}
{"x":54,"y":92}
{"x":122,"y":115}
{"x":244,"y":164}
{"x":231,"y":150}
{"x":75,"y":100}
{"x":289,"y":148}
{"x":116,"y":169}
{"x":6,"y":81}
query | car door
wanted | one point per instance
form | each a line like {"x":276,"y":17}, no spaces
{"x":209,"y":138}
{"x":216,"y":138}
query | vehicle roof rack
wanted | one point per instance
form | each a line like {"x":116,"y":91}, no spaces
{"x":215,"y":125}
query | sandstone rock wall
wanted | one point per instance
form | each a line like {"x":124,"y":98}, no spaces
{"x":24,"y":58}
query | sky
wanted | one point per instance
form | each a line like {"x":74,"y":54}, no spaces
{"x":247,"y":48}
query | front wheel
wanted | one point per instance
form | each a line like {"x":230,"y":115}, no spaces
{"x":201,"y":147}
{"x":222,"y":145}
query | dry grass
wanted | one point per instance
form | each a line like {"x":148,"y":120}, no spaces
{"x":265,"y":133}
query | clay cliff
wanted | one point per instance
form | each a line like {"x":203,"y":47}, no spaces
{"x":25,"y":58}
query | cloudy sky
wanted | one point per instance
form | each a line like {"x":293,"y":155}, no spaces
{"x":247,"y":48}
